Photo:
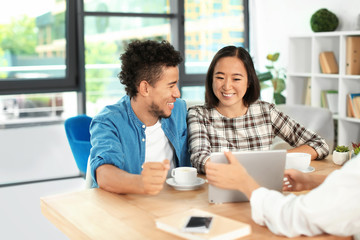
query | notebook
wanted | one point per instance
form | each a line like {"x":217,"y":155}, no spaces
{"x":266,"y":167}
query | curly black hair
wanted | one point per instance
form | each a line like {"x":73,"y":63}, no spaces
{"x":144,"y":60}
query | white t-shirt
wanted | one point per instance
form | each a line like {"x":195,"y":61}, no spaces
{"x":333,"y":207}
{"x":157,"y":146}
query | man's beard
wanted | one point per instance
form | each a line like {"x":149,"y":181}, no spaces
{"x":157,"y":112}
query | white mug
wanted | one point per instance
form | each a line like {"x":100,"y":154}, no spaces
{"x":299,"y":161}
{"x":184,"y":175}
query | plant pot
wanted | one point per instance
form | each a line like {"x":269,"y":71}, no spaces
{"x":340,"y":158}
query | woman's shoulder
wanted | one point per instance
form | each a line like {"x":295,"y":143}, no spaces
{"x":197,"y":109}
{"x":262,"y":106}
{"x":200,"y":110}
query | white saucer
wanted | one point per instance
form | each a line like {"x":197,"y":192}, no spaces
{"x":308,"y":170}
{"x":197,"y":184}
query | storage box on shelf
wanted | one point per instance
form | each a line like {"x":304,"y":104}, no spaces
{"x":304,"y":69}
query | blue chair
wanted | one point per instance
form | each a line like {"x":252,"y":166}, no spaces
{"x":78,"y":135}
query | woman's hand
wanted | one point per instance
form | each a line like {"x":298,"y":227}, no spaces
{"x":295,"y":180}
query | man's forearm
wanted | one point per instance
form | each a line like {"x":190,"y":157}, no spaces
{"x":113,"y":179}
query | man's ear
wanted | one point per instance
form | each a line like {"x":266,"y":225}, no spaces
{"x":144,"y":88}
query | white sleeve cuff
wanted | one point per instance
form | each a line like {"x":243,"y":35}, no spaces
{"x":206,"y":159}
{"x":257,"y":202}
{"x":204,"y":162}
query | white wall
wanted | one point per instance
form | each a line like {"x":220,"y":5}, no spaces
{"x":34,"y":153}
{"x":273,"y":21}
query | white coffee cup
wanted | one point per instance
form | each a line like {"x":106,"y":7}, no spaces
{"x":184,"y":175}
{"x":299,"y":161}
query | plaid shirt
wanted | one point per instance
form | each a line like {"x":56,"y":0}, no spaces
{"x":209,"y":131}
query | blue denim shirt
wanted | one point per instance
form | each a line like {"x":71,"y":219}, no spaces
{"x":118,"y":137}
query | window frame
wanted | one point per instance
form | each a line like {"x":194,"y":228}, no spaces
{"x":177,"y":22}
{"x":48,"y":85}
{"x":74,"y":79}
{"x":192,"y":80}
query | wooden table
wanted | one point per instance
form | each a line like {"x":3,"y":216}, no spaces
{"x":97,"y":214}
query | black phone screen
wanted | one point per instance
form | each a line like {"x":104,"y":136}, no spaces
{"x":198,"y":224}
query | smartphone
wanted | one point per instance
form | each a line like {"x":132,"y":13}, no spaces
{"x":198,"y":224}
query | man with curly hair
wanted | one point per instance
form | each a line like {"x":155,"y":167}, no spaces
{"x":137,"y":140}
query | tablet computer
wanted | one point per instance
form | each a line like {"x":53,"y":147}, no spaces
{"x":266,"y":167}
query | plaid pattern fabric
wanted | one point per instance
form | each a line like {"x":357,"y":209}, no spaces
{"x":209,"y":131}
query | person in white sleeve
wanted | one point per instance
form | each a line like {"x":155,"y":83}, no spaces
{"x":332,"y":206}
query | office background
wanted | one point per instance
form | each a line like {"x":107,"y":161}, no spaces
{"x":32,"y":139}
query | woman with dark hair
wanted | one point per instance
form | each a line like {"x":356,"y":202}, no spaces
{"x":234,"y":119}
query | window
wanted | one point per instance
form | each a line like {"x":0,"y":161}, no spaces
{"x":215,"y":24}
{"x":35,"y":53}
{"x":23,"y":109}
{"x":37,"y":58}
{"x":128,"y":6}
{"x":209,"y":26}
{"x":62,"y":47}
{"x":108,"y":27}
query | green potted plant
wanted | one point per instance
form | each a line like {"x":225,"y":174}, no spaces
{"x":341,"y":155}
{"x":356,"y":148}
{"x":277,"y":77}
{"x":324,"y":21}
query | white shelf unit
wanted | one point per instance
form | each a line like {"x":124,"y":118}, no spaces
{"x":304,"y":65}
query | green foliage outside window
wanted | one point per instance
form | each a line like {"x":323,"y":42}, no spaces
{"x":98,"y":80}
{"x":19,"y":37}
{"x":98,"y":53}
{"x":4,"y":63}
